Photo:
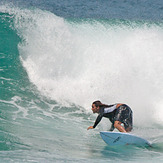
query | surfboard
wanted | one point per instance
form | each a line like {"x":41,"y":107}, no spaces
{"x":120,"y":138}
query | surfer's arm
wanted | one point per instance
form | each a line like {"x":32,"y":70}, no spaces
{"x":98,"y":119}
{"x":90,"y":127}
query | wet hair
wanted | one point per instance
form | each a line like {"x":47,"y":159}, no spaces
{"x":100,"y":104}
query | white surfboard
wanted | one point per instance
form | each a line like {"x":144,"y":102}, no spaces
{"x":120,"y":138}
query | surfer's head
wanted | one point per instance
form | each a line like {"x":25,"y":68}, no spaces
{"x":97,"y":103}
{"x":96,"y":106}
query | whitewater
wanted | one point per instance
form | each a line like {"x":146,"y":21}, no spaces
{"x":51,"y":70}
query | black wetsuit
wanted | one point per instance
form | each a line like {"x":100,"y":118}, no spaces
{"x":116,"y":112}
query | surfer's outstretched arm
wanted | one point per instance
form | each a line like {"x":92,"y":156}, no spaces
{"x":90,"y":127}
{"x":98,"y":119}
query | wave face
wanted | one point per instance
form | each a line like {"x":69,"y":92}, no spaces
{"x":86,"y":60}
{"x":52,"y":69}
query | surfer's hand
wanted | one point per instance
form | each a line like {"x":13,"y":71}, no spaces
{"x":90,"y":127}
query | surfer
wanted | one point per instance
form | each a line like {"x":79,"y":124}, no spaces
{"x":117,"y":113}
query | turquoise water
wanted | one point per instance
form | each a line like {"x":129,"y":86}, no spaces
{"x":56,"y":59}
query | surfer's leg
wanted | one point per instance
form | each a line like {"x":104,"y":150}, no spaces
{"x":128,"y":129}
{"x":123,"y":115}
{"x":117,"y":125}
{"x":128,"y":121}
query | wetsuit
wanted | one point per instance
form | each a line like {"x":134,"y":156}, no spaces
{"x":116,"y":112}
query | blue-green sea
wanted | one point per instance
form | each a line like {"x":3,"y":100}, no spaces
{"x":57,"y":57}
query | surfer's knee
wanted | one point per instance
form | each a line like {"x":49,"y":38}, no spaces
{"x":117,"y":123}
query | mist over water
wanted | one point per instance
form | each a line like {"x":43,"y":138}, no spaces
{"x":79,"y":62}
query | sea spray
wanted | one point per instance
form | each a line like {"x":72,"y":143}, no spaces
{"x":83,"y":61}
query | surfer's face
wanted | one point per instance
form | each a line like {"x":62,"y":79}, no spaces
{"x":95,"y":109}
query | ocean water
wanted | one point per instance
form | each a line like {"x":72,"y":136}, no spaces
{"x":57,"y":57}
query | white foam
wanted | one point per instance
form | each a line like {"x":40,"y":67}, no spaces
{"x":83,"y":62}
